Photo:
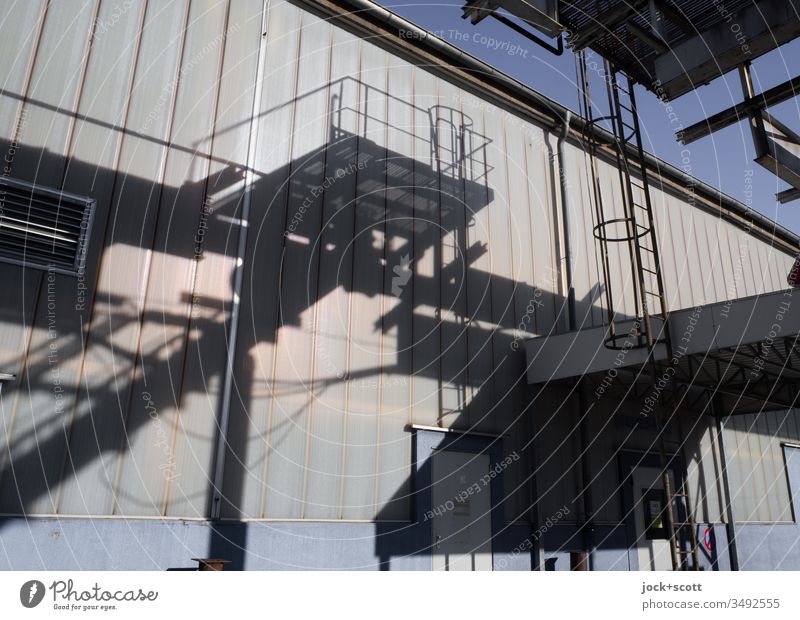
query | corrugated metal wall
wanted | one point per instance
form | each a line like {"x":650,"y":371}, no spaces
{"x":757,"y":467}
{"x":402,"y":240}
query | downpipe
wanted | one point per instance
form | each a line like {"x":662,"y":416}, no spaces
{"x":238,"y":280}
{"x":587,"y":526}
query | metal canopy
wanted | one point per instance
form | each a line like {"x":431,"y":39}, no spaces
{"x":745,"y":353}
{"x":668,"y":46}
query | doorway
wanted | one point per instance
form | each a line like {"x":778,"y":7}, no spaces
{"x":650,"y":518}
{"x":461,"y":522}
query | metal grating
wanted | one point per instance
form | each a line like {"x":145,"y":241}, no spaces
{"x":633,"y":34}
{"x":603,"y":26}
{"x":43,"y":228}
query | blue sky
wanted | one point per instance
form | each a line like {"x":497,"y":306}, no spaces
{"x":723,"y":160}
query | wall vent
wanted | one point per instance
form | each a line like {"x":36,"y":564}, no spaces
{"x":43,"y":228}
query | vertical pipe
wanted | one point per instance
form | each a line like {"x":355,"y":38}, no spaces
{"x":730,"y":525}
{"x":227,"y":390}
{"x":587,"y":527}
{"x":562,"y":175}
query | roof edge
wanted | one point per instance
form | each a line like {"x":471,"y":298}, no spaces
{"x":368,"y":16}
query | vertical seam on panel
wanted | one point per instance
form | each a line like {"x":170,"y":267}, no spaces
{"x":207,"y":158}
{"x":438,"y":254}
{"x":382,"y":334}
{"x":531,"y":247}
{"x":67,"y":155}
{"x":509,"y":229}
{"x":138,"y":356}
{"x":410,"y":367}
{"x":490,"y":278}
{"x":231,"y":336}
{"x":26,"y":85}
{"x":69,"y":142}
{"x":414,"y":282}
{"x":15,"y":138}
{"x":412,"y":254}
{"x":85,"y":333}
{"x":465,"y":169}
{"x":345,"y":419}
{"x":316,"y":310}
{"x":278,"y":313}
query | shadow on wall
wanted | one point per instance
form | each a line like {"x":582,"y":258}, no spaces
{"x":350,"y":216}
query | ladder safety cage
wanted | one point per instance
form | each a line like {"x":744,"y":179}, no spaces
{"x":634,"y":230}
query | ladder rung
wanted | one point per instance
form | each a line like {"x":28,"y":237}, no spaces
{"x":655,"y":273}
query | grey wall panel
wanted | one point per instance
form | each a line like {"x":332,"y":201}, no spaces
{"x":327,"y":410}
{"x":149,"y":466}
{"x":393,"y":485}
{"x":543,"y":223}
{"x":56,"y":81}
{"x":556,"y":447}
{"x":251,"y":430}
{"x":99,"y":427}
{"x":363,"y":159}
{"x":42,"y":411}
{"x":368,"y":279}
{"x":478,"y":274}
{"x":22,"y":24}
{"x":215,"y":242}
{"x":449,"y":124}
{"x":703,"y":469}
{"x":425,"y":281}
{"x":297,"y":295}
{"x":756,"y":465}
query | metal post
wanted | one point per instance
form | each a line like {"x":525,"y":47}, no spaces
{"x":730,"y":524}
{"x":572,"y":322}
{"x":227,"y":390}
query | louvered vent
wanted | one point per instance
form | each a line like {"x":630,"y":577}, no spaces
{"x":42,"y":227}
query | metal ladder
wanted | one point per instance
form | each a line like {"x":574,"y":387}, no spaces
{"x":618,"y":131}
{"x":635,"y":227}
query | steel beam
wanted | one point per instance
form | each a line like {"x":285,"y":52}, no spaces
{"x":731,"y":40}
{"x":742,"y":111}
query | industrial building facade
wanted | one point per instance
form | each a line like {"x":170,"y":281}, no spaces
{"x":297,"y":335}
